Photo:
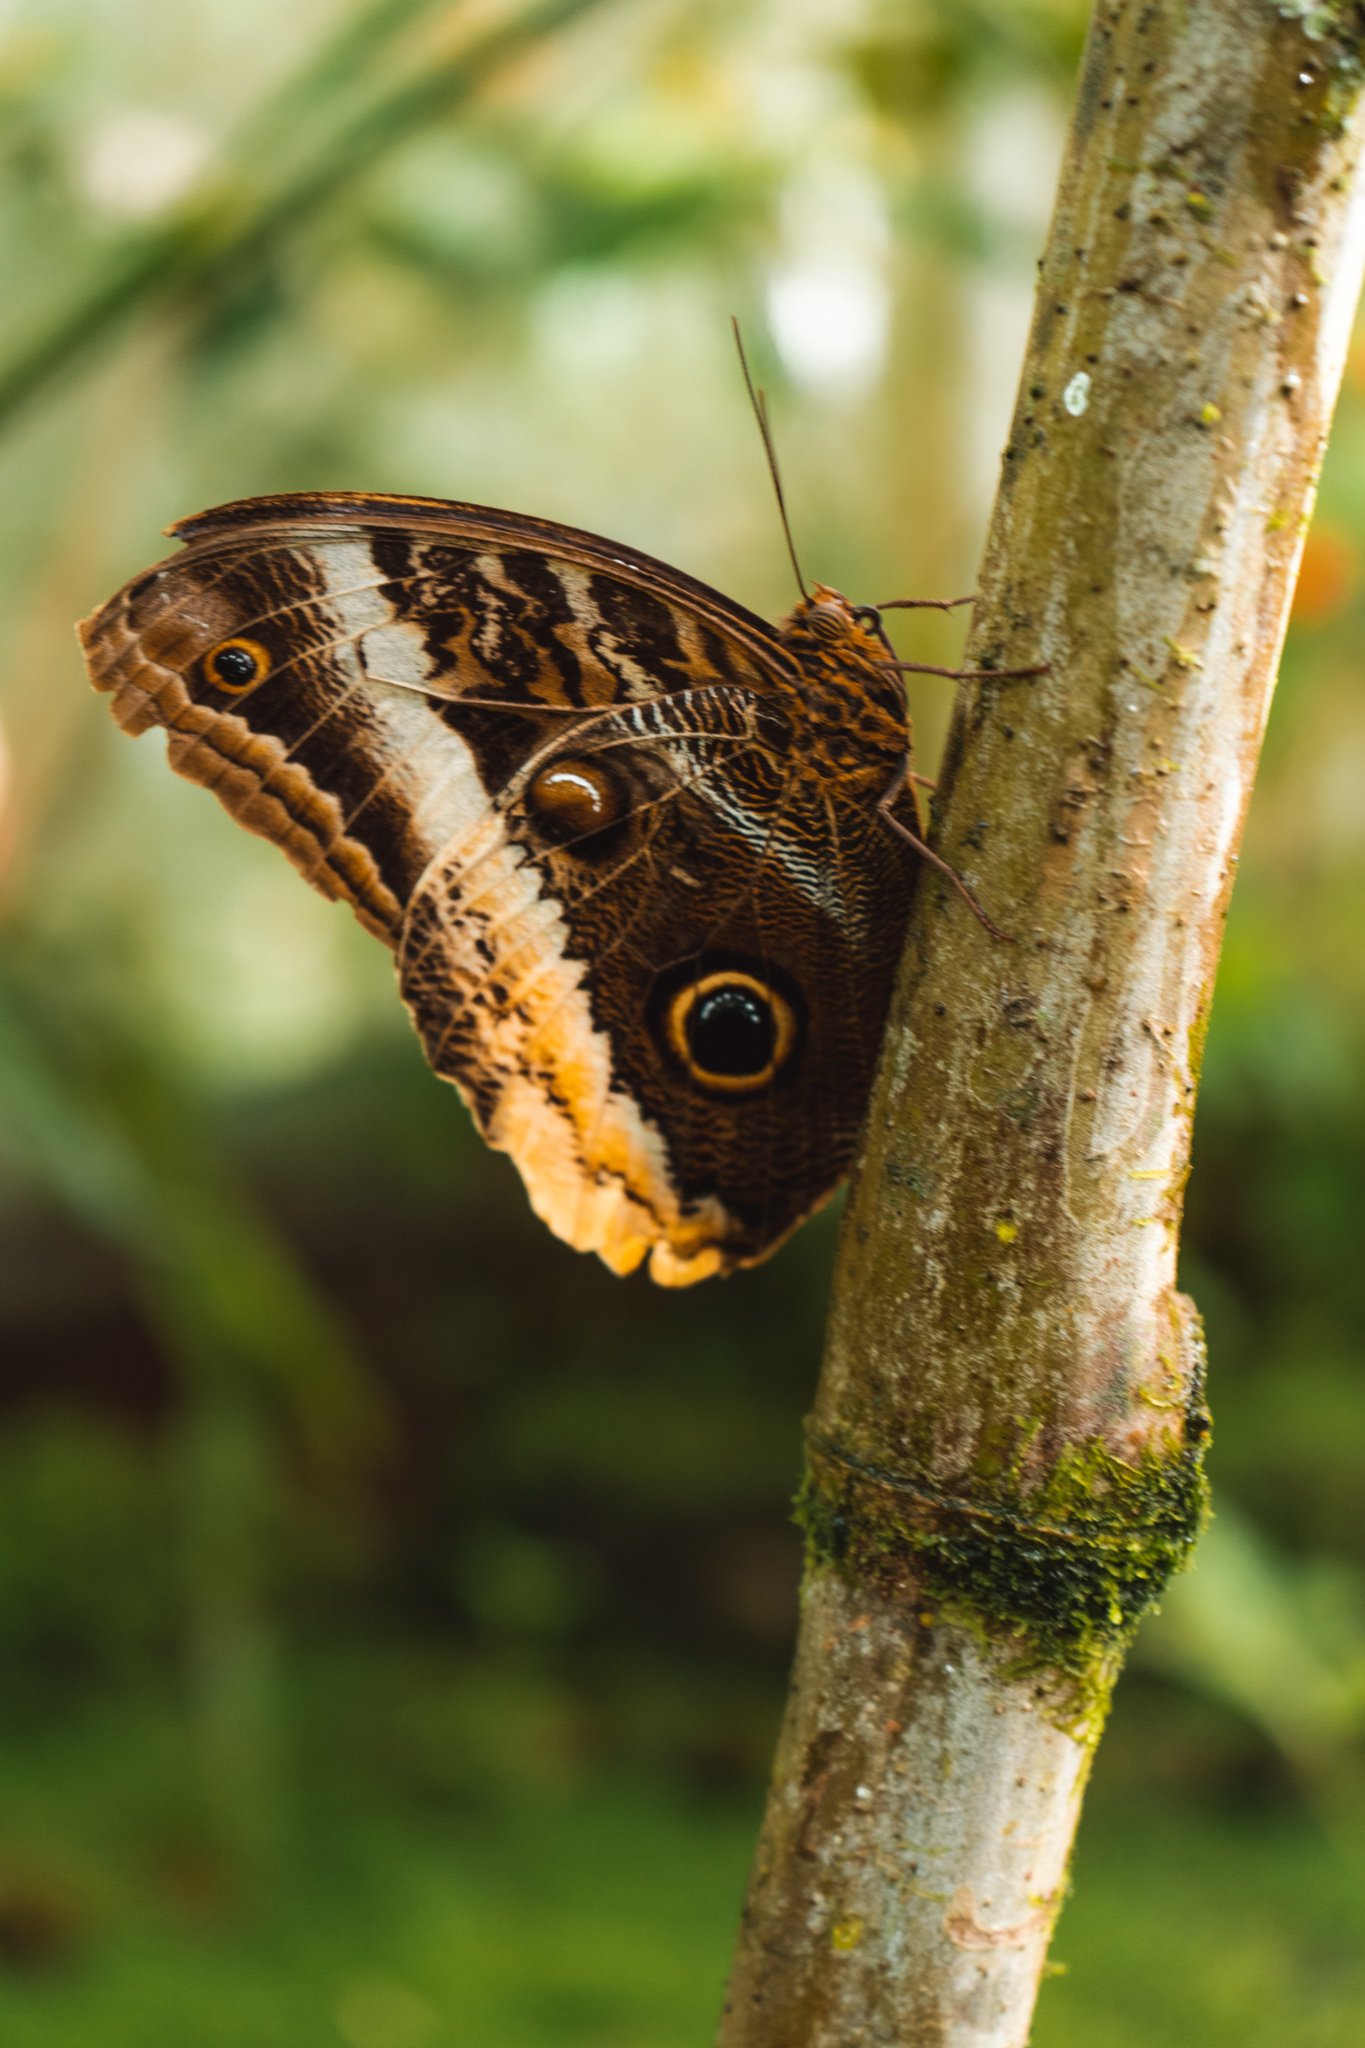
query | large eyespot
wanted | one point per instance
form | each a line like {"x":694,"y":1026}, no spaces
{"x":236,"y":665}
{"x":731,"y":1031}
{"x":574,"y":800}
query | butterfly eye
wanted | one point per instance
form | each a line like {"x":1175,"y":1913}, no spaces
{"x":236,"y":665}
{"x":828,"y":621}
{"x":573,"y":800}
{"x":731,"y":1031}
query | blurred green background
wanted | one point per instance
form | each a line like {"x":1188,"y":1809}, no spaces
{"x":394,"y":1608}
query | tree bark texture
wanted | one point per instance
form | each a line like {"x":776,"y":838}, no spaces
{"x":1005,"y":1453}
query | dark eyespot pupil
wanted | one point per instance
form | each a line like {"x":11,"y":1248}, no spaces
{"x":731,"y":1031}
{"x":234,"y":666}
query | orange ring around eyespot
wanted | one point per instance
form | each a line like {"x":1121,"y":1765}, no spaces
{"x":784,"y":1030}
{"x":253,"y":649}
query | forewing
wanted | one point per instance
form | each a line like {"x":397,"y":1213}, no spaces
{"x":388,"y":627}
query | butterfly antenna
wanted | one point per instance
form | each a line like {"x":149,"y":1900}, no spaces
{"x":760,"y":406}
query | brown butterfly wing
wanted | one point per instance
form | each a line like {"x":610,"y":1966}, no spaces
{"x":397,"y":672}
{"x":544,"y":979}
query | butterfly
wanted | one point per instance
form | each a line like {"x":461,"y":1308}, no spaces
{"x":644,"y":860}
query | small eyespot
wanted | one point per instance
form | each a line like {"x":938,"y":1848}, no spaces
{"x":732,"y":1032}
{"x":236,"y":665}
{"x":574,"y":800}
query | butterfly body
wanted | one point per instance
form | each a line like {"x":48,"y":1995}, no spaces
{"x":625,"y":839}
{"x":850,"y":725}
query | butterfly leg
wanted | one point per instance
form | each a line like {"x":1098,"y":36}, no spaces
{"x":906,"y":774}
{"x":969,"y":675}
{"x":924,"y":604}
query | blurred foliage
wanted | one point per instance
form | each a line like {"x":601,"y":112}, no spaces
{"x":394,"y":1607}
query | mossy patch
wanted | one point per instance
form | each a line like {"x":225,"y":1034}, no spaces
{"x":1060,"y":1571}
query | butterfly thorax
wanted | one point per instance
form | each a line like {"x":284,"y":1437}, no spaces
{"x":848,"y":716}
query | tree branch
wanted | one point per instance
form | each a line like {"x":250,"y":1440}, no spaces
{"x":1005,"y":1454}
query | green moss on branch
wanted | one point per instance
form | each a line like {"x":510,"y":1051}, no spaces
{"x":1061,"y":1571}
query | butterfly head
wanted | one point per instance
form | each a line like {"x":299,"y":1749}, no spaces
{"x":825,"y":623}
{"x":843,"y":652}
{"x":831,"y":622}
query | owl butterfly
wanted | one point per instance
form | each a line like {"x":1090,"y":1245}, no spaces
{"x":644,"y":861}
